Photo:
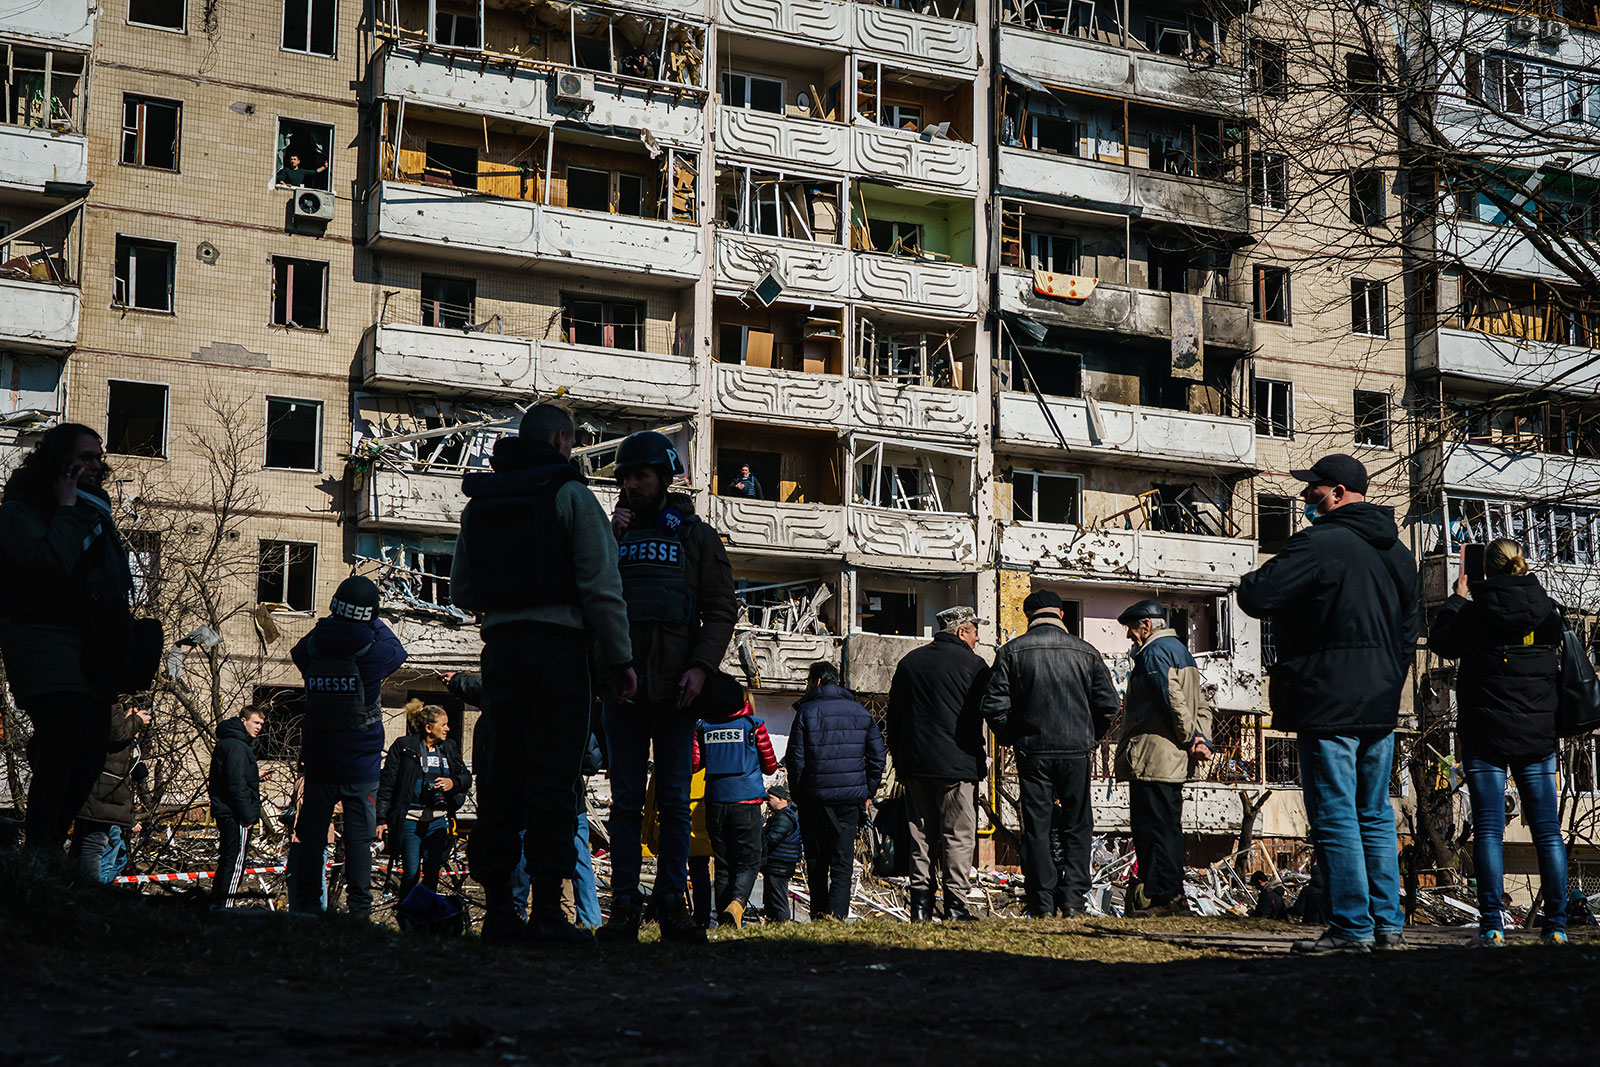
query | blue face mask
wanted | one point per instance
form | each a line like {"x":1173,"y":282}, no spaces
{"x":1310,"y":512}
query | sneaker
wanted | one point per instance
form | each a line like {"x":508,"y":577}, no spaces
{"x":1490,"y":939}
{"x":1554,"y":937}
{"x":1390,"y":942}
{"x":1329,"y":944}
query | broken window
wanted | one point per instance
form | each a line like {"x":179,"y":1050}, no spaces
{"x":1271,"y":298}
{"x":1269,"y":180}
{"x":1367,"y":197}
{"x":1372,"y":418}
{"x":144,"y":273}
{"x":294,"y":434}
{"x":287,"y":574}
{"x":144,"y":567}
{"x":304,"y":156}
{"x":136,"y":418}
{"x":1040,"y":497}
{"x":603,"y":323}
{"x":1269,"y":68}
{"x":1369,"y":307}
{"x":450,"y":164}
{"x":150,"y":132}
{"x":299,"y":293}
{"x":1274,"y":408}
{"x":909,"y":358}
{"x":158,"y":14}
{"x":309,"y":26}
{"x":895,"y":237}
{"x":1054,"y":252}
{"x":616,"y":191}
{"x":1052,"y":133}
{"x":457,"y":26}
{"x":31,"y":76}
{"x":778,"y":206}
{"x":752,"y":91}
{"x":1274,"y":521}
{"x":448,"y":302}
{"x":1363,"y":83}
{"x":890,"y":613}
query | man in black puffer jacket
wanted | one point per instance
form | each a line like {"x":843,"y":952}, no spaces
{"x":1342,"y":598}
{"x":835,"y":762}
{"x":235,"y":790}
{"x":1051,"y":698}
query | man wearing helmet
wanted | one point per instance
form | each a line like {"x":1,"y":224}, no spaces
{"x":1166,"y":721}
{"x":344,"y":660}
{"x":681,"y":608}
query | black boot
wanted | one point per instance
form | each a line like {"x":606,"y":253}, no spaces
{"x":547,"y":925}
{"x":921,"y":905}
{"x":955,"y":909}
{"x":501,"y":923}
{"x":677,"y":925}
{"x":622,"y":928}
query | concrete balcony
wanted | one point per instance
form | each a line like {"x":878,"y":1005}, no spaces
{"x":1502,"y":250}
{"x":1124,"y":311}
{"x":56,"y":22}
{"x":1091,"y":66}
{"x":767,"y":525}
{"x":921,"y":540}
{"x":782,"y":660}
{"x":1167,"y":438}
{"x":806,"y":267}
{"x":949,"y":288}
{"x":38,"y":316}
{"x":779,"y":396}
{"x":1507,"y":361}
{"x":500,"y":86}
{"x":1482,"y":468}
{"x":902,"y":37}
{"x":475,"y":228}
{"x":870,"y":659}
{"x":909,"y":158}
{"x":782,"y":140}
{"x":1162,"y":197}
{"x":1141,"y":556}
{"x":913,"y":409}
{"x":30,"y":157}
{"x":425,"y":502}
{"x":453,"y":361}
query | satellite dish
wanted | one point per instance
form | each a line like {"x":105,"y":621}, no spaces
{"x":803,"y":100}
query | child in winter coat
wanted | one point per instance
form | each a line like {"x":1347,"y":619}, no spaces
{"x":732,"y":745}
{"x":780,"y":854}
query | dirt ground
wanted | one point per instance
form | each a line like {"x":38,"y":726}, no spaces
{"x":114,"y":977}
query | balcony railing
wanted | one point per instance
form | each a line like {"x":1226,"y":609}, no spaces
{"x":1163,"y":436}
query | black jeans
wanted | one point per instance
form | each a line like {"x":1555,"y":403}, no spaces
{"x":1043,"y":780}
{"x":828,"y":835}
{"x":70,"y":737}
{"x":775,"y":893}
{"x":233,"y":840}
{"x":735,"y":832}
{"x":536,"y":702}
{"x":311,"y":832}
{"x":1155,"y":810}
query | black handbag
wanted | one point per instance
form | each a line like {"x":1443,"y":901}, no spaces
{"x":1578,"y":710}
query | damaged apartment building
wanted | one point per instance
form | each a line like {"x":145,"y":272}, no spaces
{"x":988,"y":295}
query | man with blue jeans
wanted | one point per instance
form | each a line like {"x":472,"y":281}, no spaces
{"x":1343,"y":600}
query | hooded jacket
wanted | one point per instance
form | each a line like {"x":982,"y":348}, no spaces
{"x":735,"y":751}
{"x":1508,"y":641}
{"x":935,"y":727}
{"x":1342,"y":597}
{"x":1164,"y":713}
{"x":835,"y":752}
{"x":113,"y":800}
{"x":1050,"y":693}
{"x":235,"y":783}
{"x":402,"y":768}
{"x":348,"y":757}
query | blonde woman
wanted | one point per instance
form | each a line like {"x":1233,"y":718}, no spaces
{"x":1506,"y":634}
{"x":424,"y":782}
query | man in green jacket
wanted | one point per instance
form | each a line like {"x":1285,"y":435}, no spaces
{"x":1166,"y":726}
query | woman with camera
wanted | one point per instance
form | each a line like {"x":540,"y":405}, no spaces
{"x":424,"y":782}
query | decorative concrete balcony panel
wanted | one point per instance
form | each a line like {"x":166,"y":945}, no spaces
{"x":426,"y":502}
{"x":784,"y":141}
{"x":813,"y":529}
{"x":1157,"y":434}
{"x":777,"y":395}
{"x":1112,"y":555}
{"x":29,"y":158}
{"x":450,"y":361}
{"x":783,"y":661}
{"x":1161,"y":197}
{"x":936,"y":162}
{"x":1497,"y":471}
{"x":902,"y":35}
{"x":1124,"y":311}
{"x":807,"y":268}
{"x":913,"y":408}
{"x":1502,"y":250}
{"x":952,"y":288}
{"x":1508,"y":361}
{"x":1075,"y":63}
{"x":38,"y":316}
{"x":68,"y":22}
{"x":822,"y":22}
{"x":912,"y":535}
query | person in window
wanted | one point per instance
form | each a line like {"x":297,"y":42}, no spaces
{"x":302,"y":175}
{"x":745,"y":485}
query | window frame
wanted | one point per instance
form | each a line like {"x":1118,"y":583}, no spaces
{"x":606,"y":322}
{"x":1259,"y":57}
{"x":283,"y":11}
{"x":1265,"y":424}
{"x":1383,"y":420}
{"x":266,"y":442}
{"x":1363,"y":292}
{"x":183,"y":28}
{"x":280,"y":161}
{"x":423,"y":301}
{"x":450,"y":11}
{"x":1266,"y":165}
{"x":288,"y":263}
{"x":1031,"y":239}
{"x":1288,"y":513}
{"x":127,"y":242}
{"x":1033,"y":475}
{"x":140,"y":129}
{"x":1362,"y":218}
{"x":287,"y":545}
{"x":726,"y":82}
{"x":166,"y":417}
{"x":1260,"y":273}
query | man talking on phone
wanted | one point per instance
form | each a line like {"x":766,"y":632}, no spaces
{"x":1343,"y":600}
{"x":678,"y":585}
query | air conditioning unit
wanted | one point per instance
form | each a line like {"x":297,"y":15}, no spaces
{"x":1552,"y":32}
{"x":1522,"y":28}
{"x":574,"y":88}
{"x":313,"y":204}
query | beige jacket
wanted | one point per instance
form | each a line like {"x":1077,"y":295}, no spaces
{"x":1164,"y":711}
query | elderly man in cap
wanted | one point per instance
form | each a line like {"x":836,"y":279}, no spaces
{"x":1165,"y":723}
{"x":1051,"y":698}
{"x":1342,"y":597}
{"x":936,"y":738}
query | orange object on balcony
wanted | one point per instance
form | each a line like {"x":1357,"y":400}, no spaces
{"x":1063,"y":286}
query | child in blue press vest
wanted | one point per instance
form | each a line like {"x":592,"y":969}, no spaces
{"x":732,"y":745}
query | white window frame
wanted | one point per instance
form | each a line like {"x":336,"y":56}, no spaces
{"x":166,"y":412}
{"x":1259,"y":272}
{"x":899,"y":113}
{"x":1032,"y":239}
{"x":316,"y":462}
{"x":434,"y":11}
{"x":288,"y":299}
{"x":1288,"y":406}
{"x":285,"y":545}
{"x":184,"y":28}
{"x":307,"y":50}
{"x":140,"y":129}
{"x":748,"y":79}
{"x":1263,"y":165}
{"x":1369,"y":300}
{"x":278,"y":164}
{"x":129,"y":291}
{"x":1034,"y":476}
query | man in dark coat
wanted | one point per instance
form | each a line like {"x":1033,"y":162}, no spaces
{"x":936,"y":736}
{"x":1342,"y":597}
{"x":835,"y":761}
{"x":235,"y":789}
{"x":1051,"y":698}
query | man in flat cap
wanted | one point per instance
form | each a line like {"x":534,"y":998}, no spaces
{"x":1051,"y":698}
{"x":1343,"y":599}
{"x":936,"y":738}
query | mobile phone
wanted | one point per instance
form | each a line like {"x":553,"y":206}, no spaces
{"x":1472,"y":561}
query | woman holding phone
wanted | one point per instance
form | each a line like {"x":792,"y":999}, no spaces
{"x":1506,"y":634}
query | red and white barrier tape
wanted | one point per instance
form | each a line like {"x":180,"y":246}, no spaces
{"x":200,"y":876}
